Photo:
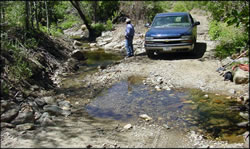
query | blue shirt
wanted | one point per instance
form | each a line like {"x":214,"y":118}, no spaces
{"x":129,"y":32}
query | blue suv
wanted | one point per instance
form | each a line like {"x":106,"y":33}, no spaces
{"x":171,"y":32}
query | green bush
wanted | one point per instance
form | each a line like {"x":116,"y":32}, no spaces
{"x":109,"y":25}
{"x":232,"y":39}
{"x":180,"y":7}
{"x":99,"y":27}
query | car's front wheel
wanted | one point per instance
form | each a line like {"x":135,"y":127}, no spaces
{"x":150,"y":54}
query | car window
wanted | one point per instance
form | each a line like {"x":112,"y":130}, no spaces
{"x":171,"y":21}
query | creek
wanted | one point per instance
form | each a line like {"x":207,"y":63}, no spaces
{"x":183,"y":109}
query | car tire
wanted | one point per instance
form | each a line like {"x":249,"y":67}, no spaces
{"x":194,"y":50}
{"x":150,"y":54}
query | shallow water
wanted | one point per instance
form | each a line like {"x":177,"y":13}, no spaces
{"x":183,"y":109}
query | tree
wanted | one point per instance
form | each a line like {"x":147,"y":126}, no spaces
{"x":87,"y":22}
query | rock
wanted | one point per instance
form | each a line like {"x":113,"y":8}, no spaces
{"x":40,"y":102}
{"x":101,"y":43}
{"x":166,"y":87}
{"x":25,"y":116}
{"x":159,"y":80}
{"x":206,"y":96}
{"x":241,"y":76}
{"x":9,"y":115}
{"x":83,"y":27}
{"x":66,"y":113}
{"x":92,"y":44}
{"x":77,"y":54}
{"x":108,"y":33}
{"x":244,"y":115}
{"x":7,"y":125}
{"x":166,"y":126}
{"x":110,"y":46}
{"x":246,"y":143}
{"x":45,"y":120}
{"x":107,"y":39}
{"x":243,"y":124}
{"x":77,"y":43}
{"x":242,"y":60}
{"x":232,"y":91}
{"x":158,"y":88}
{"x":26,"y":126}
{"x":128,"y":126}
{"x":49,"y":99}
{"x":64,"y":104}
{"x":53,"y":109}
{"x":145,"y":117}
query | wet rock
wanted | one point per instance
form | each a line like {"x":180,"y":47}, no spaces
{"x":49,"y":99}
{"x":77,"y":54}
{"x":158,"y":88}
{"x":241,"y":76}
{"x":128,"y":126}
{"x":26,"y":126}
{"x":7,"y":125}
{"x":40,"y":102}
{"x":166,"y":87}
{"x":9,"y":115}
{"x":145,"y":117}
{"x":53,"y":109}
{"x":77,"y":43}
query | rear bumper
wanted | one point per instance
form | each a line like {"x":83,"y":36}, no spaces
{"x":183,"y":47}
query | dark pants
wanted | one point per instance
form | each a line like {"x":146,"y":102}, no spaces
{"x":129,"y":46}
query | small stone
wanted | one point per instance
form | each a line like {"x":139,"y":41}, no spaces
{"x":40,"y":101}
{"x":49,"y":99}
{"x":145,"y":117}
{"x":166,"y":87}
{"x":232,"y":91}
{"x":7,"y":125}
{"x":158,"y":88}
{"x":26,"y":126}
{"x":244,"y":115}
{"x":128,"y":126}
{"x":243,"y":124}
{"x":206,"y":96}
{"x":229,"y":97}
{"x":166,"y":126}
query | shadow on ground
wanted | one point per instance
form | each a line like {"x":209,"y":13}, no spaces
{"x":200,"y":50}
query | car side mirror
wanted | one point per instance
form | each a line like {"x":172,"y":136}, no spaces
{"x":196,"y":23}
{"x":147,"y":25}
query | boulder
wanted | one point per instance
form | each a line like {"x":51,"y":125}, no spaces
{"x":107,"y":39}
{"x":110,"y":46}
{"x":128,"y":126}
{"x":77,"y":54}
{"x":45,"y":120}
{"x":25,"y":116}
{"x":83,"y":27}
{"x":53,"y":109}
{"x":241,"y":76}
{"x":9,"y":115}
{"x":40,"y":102}
{"x":48,"y":99}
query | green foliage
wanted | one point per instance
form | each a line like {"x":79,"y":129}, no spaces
{"x":180,"y":7}
{"x":20,"y":69}
{"x":15,"y":14}
{"x":109,"y":25}
{"x":231,"y":38}
{"x":152,"y":9}
{"x":98,"y":27}
{"x":4,"y":88}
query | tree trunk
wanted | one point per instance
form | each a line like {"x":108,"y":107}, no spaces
{"x":36,"y":15}
{"x":47,"y":15}
{"x":87,"y":22}
{"x":27,"y":15}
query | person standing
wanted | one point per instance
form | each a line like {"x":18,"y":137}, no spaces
{"x":129,"y":35}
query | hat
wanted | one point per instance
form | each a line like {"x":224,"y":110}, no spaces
{"x":128,"y":20}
